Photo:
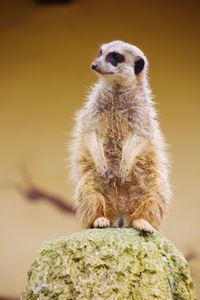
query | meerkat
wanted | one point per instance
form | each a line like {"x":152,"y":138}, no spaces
{"x":118,"y":156}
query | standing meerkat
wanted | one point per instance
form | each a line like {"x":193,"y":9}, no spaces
{"x":118,"y":159}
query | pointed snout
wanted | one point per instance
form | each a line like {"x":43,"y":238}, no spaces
{"x":94,"y":66}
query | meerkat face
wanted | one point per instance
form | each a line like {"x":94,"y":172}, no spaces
{"x":120,"y":62}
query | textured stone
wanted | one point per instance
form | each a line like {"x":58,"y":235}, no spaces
{"x":109,"y":264}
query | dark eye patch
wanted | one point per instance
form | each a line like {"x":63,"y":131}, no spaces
{"x":114,"y":58}
{"x":139,"y":65}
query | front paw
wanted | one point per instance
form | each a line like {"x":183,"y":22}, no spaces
{"x":111,"y":170}
{"x":108,"y":174}
{"x":123,"y":172}
{"x":103,"y":170}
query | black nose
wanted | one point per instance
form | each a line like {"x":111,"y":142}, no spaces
{"x":94,"y":66}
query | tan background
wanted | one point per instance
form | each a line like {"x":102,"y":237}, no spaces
{"x":45,"y":53}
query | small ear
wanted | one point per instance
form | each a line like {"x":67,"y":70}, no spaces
{"x":139,"y":65}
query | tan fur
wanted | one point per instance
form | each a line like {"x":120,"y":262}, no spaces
{"x":118,"y":159}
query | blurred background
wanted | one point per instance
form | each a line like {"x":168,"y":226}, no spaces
{"x":45,"y":53}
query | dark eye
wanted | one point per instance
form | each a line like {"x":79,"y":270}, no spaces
{"x":115,"y":58}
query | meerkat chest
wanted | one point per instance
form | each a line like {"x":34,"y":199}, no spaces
{"x":113,"y":127}
{"x":115,"y":117}
{"x":114,"y":124}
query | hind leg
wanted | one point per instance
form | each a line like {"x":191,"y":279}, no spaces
{"x":147,"y":212}
{"x":90,"y":204}
{"x":149,"y":194}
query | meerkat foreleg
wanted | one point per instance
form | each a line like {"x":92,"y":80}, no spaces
{"x":95,"y":147}
{"x":131,"y":148}
{"x":90,"y":204}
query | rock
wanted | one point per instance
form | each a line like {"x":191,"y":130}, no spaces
{"x":109,"y":263}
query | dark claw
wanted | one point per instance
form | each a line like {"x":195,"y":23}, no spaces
{"x":108,"y":174}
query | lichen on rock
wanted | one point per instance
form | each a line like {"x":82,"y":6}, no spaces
{"x":110,"y":264}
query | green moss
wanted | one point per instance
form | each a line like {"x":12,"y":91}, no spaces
{"x":109,"y":264}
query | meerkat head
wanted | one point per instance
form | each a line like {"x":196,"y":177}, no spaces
{"x":120,"y":62}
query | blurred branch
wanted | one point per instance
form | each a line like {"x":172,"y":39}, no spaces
{"x":8,"y":298}
{"x":34,"y":193}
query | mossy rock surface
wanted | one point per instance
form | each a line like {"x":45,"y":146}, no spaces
{"x":109,"y":264}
